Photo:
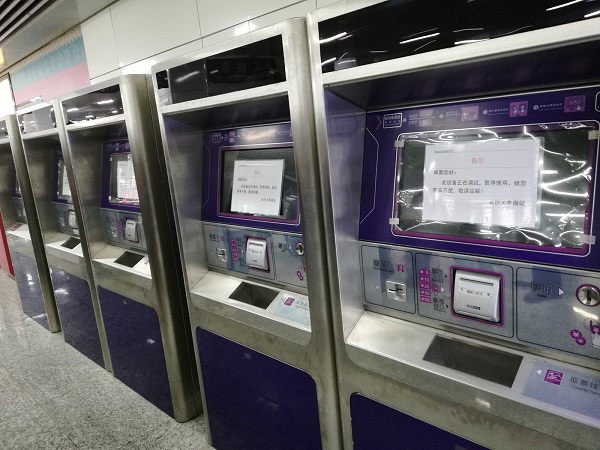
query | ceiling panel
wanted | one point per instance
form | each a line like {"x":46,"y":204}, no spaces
{"x":28,"y":25}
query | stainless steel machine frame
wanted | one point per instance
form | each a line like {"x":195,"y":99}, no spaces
{"x":25,"y":239}
{"x":64,"y":241}
{"x":152,"y":300}
{"x":380,"y":356}
{"x":183,"y":126}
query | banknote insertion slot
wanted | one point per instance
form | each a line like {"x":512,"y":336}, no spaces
{"x":477,"y":295}
{"x":131,"y":233}
{"x":72,"y":219}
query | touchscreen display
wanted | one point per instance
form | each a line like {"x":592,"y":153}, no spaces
{"x":123,"y":188}
{"x":259,"y":182}
{"x":526,"y":185}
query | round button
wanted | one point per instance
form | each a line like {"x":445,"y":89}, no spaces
{"x":300,"y":248}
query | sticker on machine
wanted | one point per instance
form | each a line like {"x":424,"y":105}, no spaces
{"x":564,"y":387}
{"x":257,"y":186}
{"x":494,"y":182}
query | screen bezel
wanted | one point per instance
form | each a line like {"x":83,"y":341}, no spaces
{"x":551,"y":126}
{"x":257,"y":217}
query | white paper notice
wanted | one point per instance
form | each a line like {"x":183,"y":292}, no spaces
{"x":126,"y":187}
{"x":257,"y":186}
{"x":65,"y":187}
{"x":487,"y":182}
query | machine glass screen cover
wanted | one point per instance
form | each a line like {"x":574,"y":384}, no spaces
{"x":63,"y":190}
{"x":529,"y":185}
{"x":123,"y":188}
{"x":259,"y":182}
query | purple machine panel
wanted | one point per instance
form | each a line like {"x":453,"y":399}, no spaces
{"x":255,"y":401}
{"x":77,"y":317}
{"x":30,"y":290}
{"x":136,"y":350}
{"x":264,"y":142}
{"x":565,"y":122}
{"x":371,"y":430}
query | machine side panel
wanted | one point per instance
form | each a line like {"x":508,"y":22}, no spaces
{"x":254,"y":401}
{"x":136,"y":348}
{"x":76,"y":311}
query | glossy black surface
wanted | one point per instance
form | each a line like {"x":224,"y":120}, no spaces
{"x":571,"y":65}
{"x":399,"y":28}
{"x":95,"y":105}
{"x":257,"y":64}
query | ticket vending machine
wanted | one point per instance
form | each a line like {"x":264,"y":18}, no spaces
{"x":58,"y":212}
{"x":239,"y":135}
{"x":22,"y":228}
{"x":459,"y":149}
{"x":111,"y":141}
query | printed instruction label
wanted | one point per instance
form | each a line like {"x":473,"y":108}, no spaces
{"x":143,"y":266}
{"x":126,"y":186}
{"x":563,"y":387}
{"x":257,"y":186}
{"x":291,"y":306}
{"x":484,"y":182}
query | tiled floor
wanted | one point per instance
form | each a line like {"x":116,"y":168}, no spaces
{"x":53,"y":397}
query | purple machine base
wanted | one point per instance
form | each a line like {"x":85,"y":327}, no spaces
{"x":136,"y":349}
{"x":76,"y":311}
{"x":30,"y":289}
{"x":255,"y":401}
{"x":379,"y":427}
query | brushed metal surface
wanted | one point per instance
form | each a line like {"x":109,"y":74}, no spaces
{"x":163,"y":290}
{"x":33,"y":222}
{"x":208,"y":291}
{"x":380,"y":356}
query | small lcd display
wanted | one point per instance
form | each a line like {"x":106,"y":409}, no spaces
{"x":259,"y":183}
{"x":525,"y":185}
{"x":123,"y":188}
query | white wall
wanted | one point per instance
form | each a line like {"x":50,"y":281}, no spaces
{"x":132,"y":35}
